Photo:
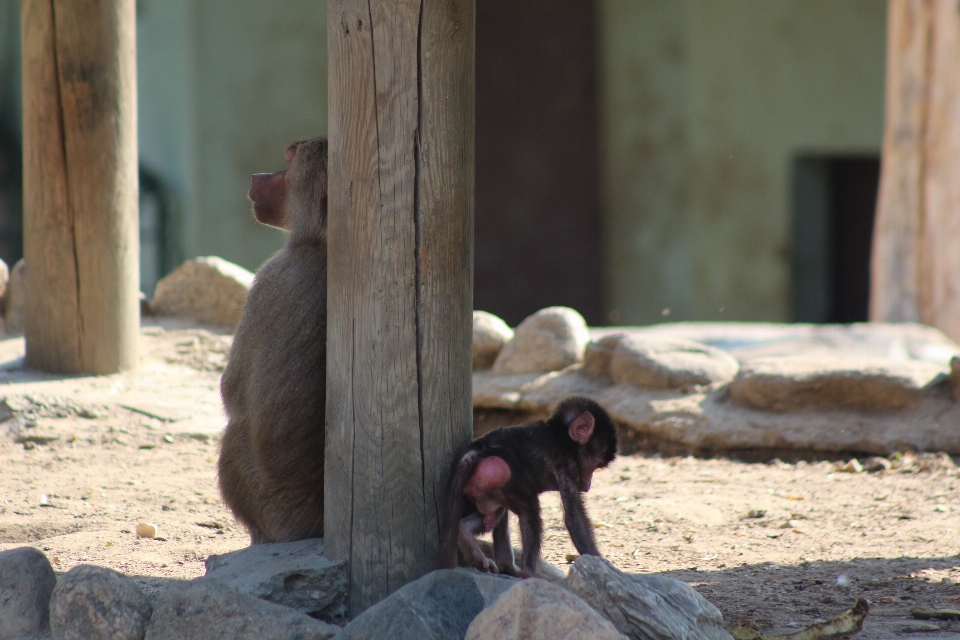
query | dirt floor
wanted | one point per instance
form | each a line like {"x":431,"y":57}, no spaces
{"x":83,"y":460}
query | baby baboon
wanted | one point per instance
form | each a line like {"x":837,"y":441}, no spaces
{"x":274,"y":386}
{"x":507,"y":470}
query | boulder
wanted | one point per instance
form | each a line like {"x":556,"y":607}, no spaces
{"x":15,"y":299}
{"x":669,"y":363}
{"x":209,"y":290}
{"x":439,"y":605}
{"x":205,"y":609}
{"x":535,"y":609}
{"x":26,"y":582}
{"x":648,"y":607}
{"x":490,"y":333}
{"x":955,"y":376}
{"x":599,"y":354}
{"x":293,"y":574}
{"x":861,"y":384}
{"x":95,"y":602}
{"x":549,"y":340}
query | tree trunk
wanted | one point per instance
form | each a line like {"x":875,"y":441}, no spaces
{"x":80,"y":185}
{"x":400,"y":281}
{"x":916,"y":260}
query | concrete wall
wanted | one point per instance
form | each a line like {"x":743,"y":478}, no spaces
{"x":224,"y":87}
{"x":704,"y":106}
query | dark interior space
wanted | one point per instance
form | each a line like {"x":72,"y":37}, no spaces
{"x":11,"y":196}
{"x":835,"y":199}
{"x":537,"y":238}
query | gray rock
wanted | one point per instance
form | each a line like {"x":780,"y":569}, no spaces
{"x":863,"y":384}
{"x":955,"y":376}
{"x":209,"y":289}
{"x":490,"y":333}
{"x":293,"y":574}
{"x":599,"y":354}
{"x":207,"y":609}
{"x":549,"y":340}
{"x":94,"y":602}
{"x":536,"y":609}
{"x":15,"y":299}
{"x":26,"y":582}
{"x":669,"y":363}
{"x":439,"y":605}
{"x":648,"y":607}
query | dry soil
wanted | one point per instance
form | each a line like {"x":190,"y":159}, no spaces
{"x":83,"y":460}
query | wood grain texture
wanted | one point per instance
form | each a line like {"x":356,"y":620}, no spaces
{"x":80,"y":185}
{"x":915,"y":270}
{"x":399,"y":283}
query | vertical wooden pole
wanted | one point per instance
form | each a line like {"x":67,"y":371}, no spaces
{"x":915,"y":271}
{"x":400,"y":280}
{"x":80,"y":185}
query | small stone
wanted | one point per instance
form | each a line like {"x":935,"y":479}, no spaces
{"x":852,"y":466}
{"x":94,"y":602}
{"x":549,"y":340}
{"x":539,"y":610}
{"x":26,"y":582}
{"x":670,"y":363}
{"x":89,"y":414}
{"x":168,"y":438}
{"x":875,"y":464}
{"x":208,"y":289}
{"x":146,"y":530}
{"x":490,"y":333}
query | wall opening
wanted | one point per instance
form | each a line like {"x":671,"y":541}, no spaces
{"x":834,"y":202}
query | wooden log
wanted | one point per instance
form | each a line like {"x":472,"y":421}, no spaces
{"x":400,"y":287}
{"x":915,"y":271}
{"x":80,"y":185}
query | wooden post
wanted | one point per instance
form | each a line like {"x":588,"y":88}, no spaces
{"x":80,"y":185}
{"x":915,"y":272}
{"x":400,"y":281}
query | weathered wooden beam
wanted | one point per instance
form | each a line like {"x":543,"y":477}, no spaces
{"x":80,"y":185}
{"x":400,"y":290}
{"x":915,"y":271}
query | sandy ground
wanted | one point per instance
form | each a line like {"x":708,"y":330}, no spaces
{"x":83,"y":460}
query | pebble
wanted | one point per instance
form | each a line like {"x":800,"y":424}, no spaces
{"x":146,"y":530}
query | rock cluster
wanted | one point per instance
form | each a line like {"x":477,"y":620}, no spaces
{"x":208,"y":290}
{"x":264,"y":592}
{"x":728,"y":387}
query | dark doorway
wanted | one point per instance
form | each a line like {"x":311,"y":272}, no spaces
{"x":537,"y":208}
{"x":834,"y":203}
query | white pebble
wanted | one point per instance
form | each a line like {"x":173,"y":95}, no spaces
{"x":146,"y":530}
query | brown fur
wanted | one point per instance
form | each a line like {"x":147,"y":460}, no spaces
{"x":274,"y":385}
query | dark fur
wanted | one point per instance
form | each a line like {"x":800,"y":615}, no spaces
{"x":542,"y":457}
{"x":274,"y":385}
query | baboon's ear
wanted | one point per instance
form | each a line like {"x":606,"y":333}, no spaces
{"x":581,"y":428}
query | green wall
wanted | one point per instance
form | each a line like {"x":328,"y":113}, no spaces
{"x":224,"y":87}
{"x":704,"y":106}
